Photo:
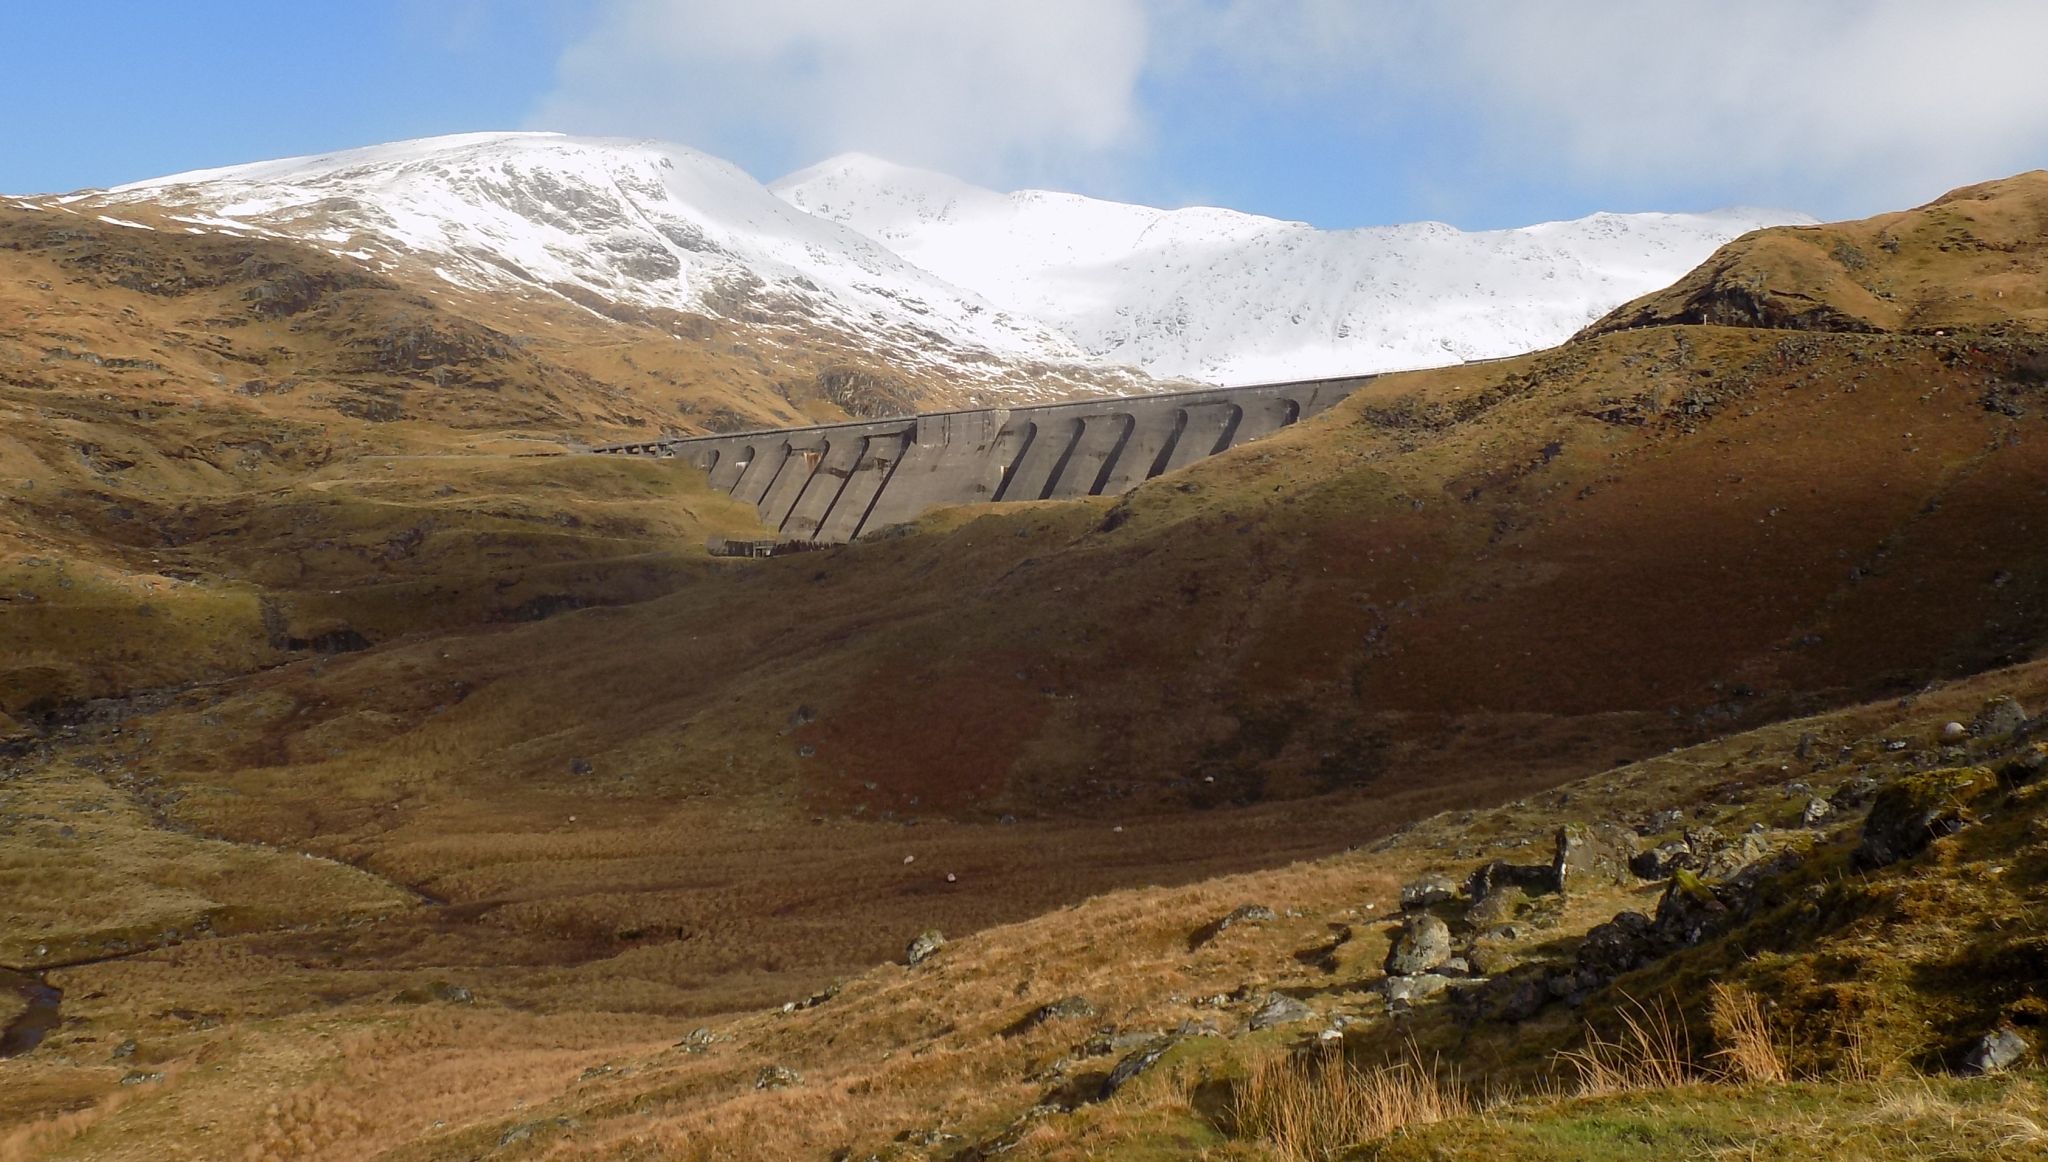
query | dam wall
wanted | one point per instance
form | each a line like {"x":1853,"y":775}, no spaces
{"x":832,"y":482}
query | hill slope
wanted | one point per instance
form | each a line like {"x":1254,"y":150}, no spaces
{"x":527,"y":856}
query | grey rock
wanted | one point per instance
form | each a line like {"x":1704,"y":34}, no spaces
{"x":1410,"y":989}
{"x":1687,"y":913}
{"x":1660,"y":861}
{"x":1817,"y":812}
{"x":1242,"y":914}
{"x":924,"y":946}
{"x":1137,"y":1062}
{"x":1954,"y":732}
{"x":1615,"y":947}
{"x":1280,"y":1009}
{"x":1591,"y":854}
{"x":1065,"y":1009}
{"x":1997,"y":1050}
{"x":777,"y":1077}
{"x":1423,"y":944}
{"x":2001,"y":718}
{"x":1428,"y":891}
{"x":1914,"y":811}
{"x":1661,"y":821}
{"x":1500,"y":875}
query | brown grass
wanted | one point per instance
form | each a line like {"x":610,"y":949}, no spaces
{"x":1749,"y":1053}
{"x":1310,"y":1108}
{"x":1652,"y":1051}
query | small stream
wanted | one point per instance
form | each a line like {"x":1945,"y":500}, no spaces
{"x":28,"y":1030}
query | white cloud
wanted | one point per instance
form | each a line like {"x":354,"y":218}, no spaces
{"x":1851,"y":105}
{"x":1833,"y":106}
{"x":987,"y":89}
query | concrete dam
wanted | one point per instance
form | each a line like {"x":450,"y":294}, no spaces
{"x":832,"y":482}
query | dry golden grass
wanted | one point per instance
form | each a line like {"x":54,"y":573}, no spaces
{"x":1653,"y":1051}
{"x":1314,"y":1108}
{"x":1748,"y":1054}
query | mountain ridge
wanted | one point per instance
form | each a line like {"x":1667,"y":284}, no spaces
{"x":1016,"y":297}
{"x":1229,"y":297}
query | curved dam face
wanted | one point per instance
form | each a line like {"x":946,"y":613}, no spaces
{"x":832,"y":482}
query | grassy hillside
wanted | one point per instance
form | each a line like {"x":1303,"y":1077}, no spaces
{"x":554,"y":788}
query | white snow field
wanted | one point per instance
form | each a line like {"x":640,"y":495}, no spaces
{"x":1231,"y":298}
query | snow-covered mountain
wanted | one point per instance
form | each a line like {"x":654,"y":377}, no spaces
{"x":1031,"y":294}
{"x":625,"y":221}
{"x":1227,"y":297}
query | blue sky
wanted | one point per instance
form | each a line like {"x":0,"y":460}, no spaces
{"x":1339,"y":112}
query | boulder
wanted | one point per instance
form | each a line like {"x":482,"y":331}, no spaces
{"x":1280,"y":1009}
{"x":1137,"y":1062}
{"x":924,"y":946}
{"x":1500,"y":874}
{"x":2001,"y":718}
{"x":1620,"y":945}
{"x":1242,"y":914}
{"x":1687,"y":913}
{"x":1247,"y":914}
{"x":1732,"y":859}
{"x":1428,"y":891}
{"x":1954,"y":732}
{"x":1660,"y":861}
{"x":1998,"y":1050}
{"x":1592,"y":854}
{"x":1423,"y":944}
{"x":2029,"y":766}
{"x":1914,"y":811}
{"x":1817,"y":812}
{"x":777,"y":1077}
{"x":1401,"y":991}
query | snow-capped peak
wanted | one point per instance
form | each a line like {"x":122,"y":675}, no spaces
{"x":633,"y":222}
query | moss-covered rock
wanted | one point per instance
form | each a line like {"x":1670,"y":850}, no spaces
{"x":1918,"y":809}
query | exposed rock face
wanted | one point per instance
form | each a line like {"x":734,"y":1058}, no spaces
{"x":1918,"y":809}
{"x":1424,"y":944}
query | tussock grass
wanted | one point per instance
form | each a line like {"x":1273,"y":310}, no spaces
{"x":1310,"y":1108}
{"x":1748,"y":1051}
{"x":1653,"y":1050}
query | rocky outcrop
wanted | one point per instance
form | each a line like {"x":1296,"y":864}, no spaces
{"x":1914,"y":811}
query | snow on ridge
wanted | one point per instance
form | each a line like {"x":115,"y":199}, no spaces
{"x":1234,"y":298}
{"x":930,"y":270}
{"x":631,"y":221}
